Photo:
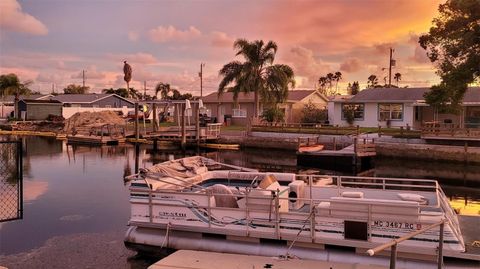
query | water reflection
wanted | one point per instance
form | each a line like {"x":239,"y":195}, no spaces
{"x":82,"y":189}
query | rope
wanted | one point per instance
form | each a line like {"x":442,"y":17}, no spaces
{"x":166,"y":236}
{"x":287,"y":255}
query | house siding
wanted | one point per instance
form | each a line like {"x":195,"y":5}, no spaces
{"x":40,"y":111}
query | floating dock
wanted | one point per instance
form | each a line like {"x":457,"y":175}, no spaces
{"x":211,"y":260}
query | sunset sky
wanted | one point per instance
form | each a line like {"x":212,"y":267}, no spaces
{"x":51,"y":41}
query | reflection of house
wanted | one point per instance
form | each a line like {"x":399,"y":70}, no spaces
{"x":240,"y":111}
{"x":397,"y":107}
{"x":38,"y":109}
{"x":73,"y":103}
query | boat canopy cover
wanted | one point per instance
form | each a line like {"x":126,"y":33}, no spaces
{"x":183,"y":168}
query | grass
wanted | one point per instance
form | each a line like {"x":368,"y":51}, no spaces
{"x":331,"y":130}
{"x":234,"y":128}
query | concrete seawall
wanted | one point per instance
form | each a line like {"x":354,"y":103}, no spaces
{"x":428,"y":152}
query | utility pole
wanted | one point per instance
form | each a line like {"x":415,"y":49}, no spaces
{"x":390,"y":64}
{"x":144,"y":90}
{"x":83,"y":76}
{"x":201,"y":79}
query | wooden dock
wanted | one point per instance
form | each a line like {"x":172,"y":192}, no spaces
{"x":212,"y":260}
{"x":357,"y":155}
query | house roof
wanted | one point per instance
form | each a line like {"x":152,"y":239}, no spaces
{"x":403,"y":95}
{"x":83,"y":98}
{"x":29,"y":101}
{"x":226,"y":97}
{"x":11,"y":98}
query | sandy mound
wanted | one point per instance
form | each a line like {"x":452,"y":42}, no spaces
{"x":93,"y":119}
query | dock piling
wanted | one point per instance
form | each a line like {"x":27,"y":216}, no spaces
{"x":137,"y":133}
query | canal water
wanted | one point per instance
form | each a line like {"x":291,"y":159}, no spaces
{"x":76,"y":202}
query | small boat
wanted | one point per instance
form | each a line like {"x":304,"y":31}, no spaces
{"x":199,"y":204}
{"x":221,"y":146}
{"x":313,"y":148}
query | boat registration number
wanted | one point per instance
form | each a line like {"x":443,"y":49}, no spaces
{"x":394,"y":224}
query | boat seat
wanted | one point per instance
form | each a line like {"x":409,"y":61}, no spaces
{"x":223,"y":195}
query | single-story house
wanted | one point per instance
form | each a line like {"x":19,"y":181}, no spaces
{"x":397,"y":107}
{"x":38,"y":109}
{"x":73,"y":103}
{"x":8,"y":102}
{"x":224,"y":106}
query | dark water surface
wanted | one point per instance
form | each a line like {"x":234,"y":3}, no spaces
{"x":75,"y":190}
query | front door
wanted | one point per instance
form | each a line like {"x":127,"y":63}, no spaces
{"x":221,"y":113}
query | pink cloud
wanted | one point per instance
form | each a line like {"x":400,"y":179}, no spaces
{"x":305,"y":64}
{"x":350,"y":65}
{"x":163,"y":34}
{"x":90,"y":73}
{"x":221,"y":39}
{"x":133,"y":36}
{"x":139,"y":58}
{"x":12,"y":18}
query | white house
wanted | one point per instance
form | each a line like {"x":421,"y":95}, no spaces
{"x":396,"y":107}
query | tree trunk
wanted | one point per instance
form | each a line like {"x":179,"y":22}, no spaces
{"x":256,"y":105}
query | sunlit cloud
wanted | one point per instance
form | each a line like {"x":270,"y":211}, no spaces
{"x":12,"y":18}
{"x":351,"y":65}
{"x":305,"y":64}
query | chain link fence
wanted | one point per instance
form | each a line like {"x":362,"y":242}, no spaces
{"x":11,"y":183}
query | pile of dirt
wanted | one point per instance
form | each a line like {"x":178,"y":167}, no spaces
{"x":93,"y":119}
{"x":39,"y":126}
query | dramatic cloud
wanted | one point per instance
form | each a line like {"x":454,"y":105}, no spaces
{"x":306,"y":65}
{"x":12,"y":18}
{"x":351,"y":65}
{"x":133,"y":36}
{"x":221,"y":39}
{"x":163,"y":34}
{"x":419,"y":54}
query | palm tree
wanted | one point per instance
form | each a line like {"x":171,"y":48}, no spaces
{"x":10,"y":85}
{"x":372,"y":81}
{"x":397,"y":77}
{"x":337,"y":77}
{"x":257,"y":73}
{"x":164,"y":89}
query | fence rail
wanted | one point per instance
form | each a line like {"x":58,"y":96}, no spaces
{"x":448,"y":130}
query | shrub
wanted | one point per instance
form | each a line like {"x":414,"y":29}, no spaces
{"x":312,"y":114}
{"x":273,"y":115}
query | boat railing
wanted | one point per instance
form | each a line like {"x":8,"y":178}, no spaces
{"x":393,"y":244}
{"x":349,"y":212}
{"x":450,"y":215}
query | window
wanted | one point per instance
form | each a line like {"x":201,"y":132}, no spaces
{"x":358,"y":110}
{"x":390,"y":112}
{"x":239,"y":113}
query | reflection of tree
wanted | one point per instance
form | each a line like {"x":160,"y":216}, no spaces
{"x":8,"y":162}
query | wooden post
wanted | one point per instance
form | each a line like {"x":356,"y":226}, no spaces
{"x":334,"y":143}
{"x":155,"y":123}
{"x":401,"y":130}
{"x":358,"y":130}
{"x":465,"y":147}
{"x":184,"y":135}
{"x":355,"y":146}
{"x":393,"y":256}
{"x":137,"y":133}
{"x":197,"y":125}
{"x":379,"y":131}
{"x":440,"y":247}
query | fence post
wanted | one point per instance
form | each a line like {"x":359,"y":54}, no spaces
{"x":379,"y":131}
{"x":334,"y":143}
{"x":440,"y":247}
{"x":401,"y":130}
{"x":393,"y":256}
{"x":358,"y":130}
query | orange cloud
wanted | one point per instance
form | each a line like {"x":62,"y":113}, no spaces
{"x":351,"y":65}
{"x":306,"y":65}
{"x":12,"y":18}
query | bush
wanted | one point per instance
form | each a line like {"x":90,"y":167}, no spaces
{"x":273,"y":115}
{"x":312,"y":114}
{"x":349,"y":114}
